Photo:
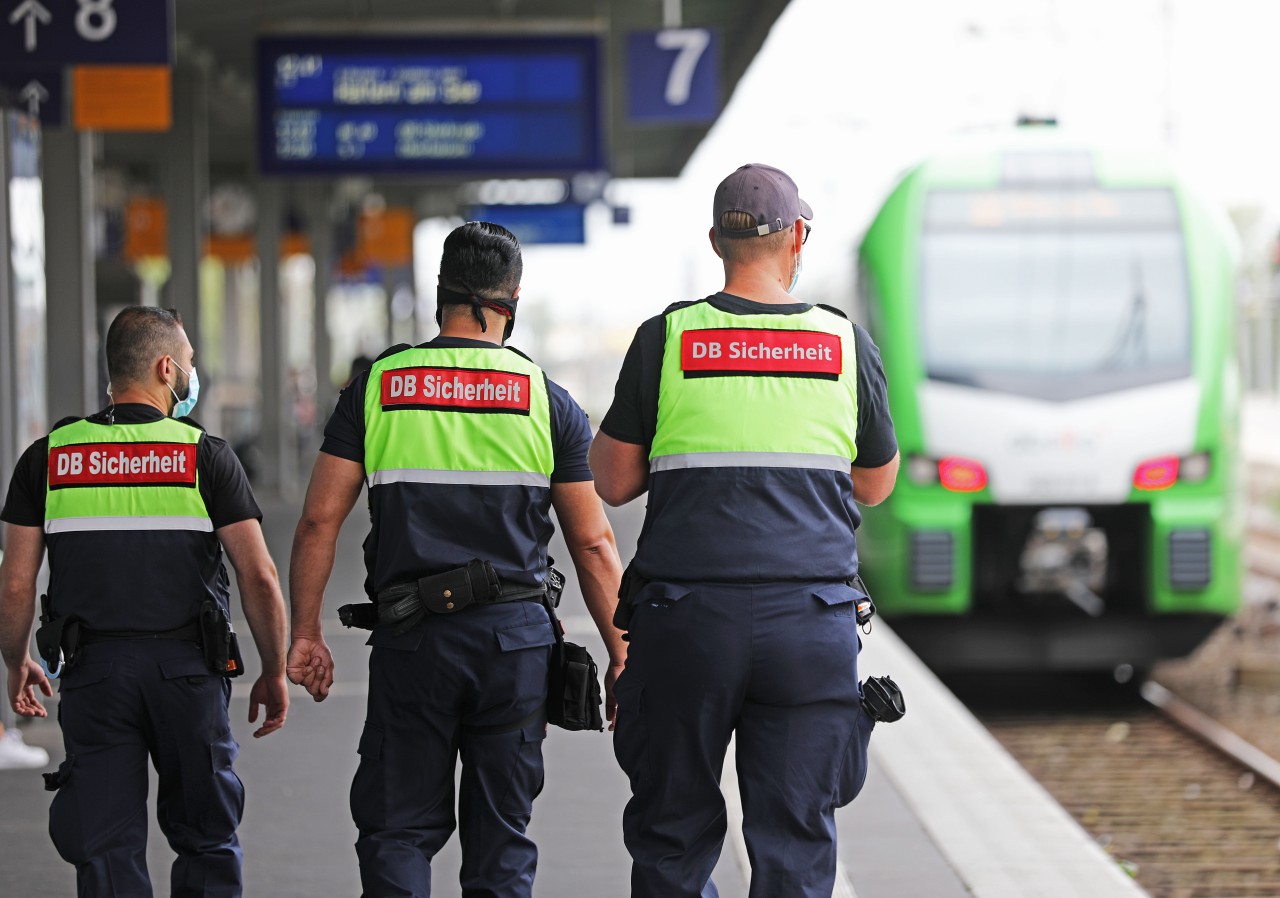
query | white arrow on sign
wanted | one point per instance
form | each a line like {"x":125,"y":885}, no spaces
{"x":35,"y":14}
{"x":33,"y":94}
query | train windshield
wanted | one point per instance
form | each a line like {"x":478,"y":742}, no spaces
{"x":1054,"y":294}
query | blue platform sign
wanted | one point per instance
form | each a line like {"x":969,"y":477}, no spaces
{"x":673,"y":75}
{"x":396,"y":105}
{"x":39,"y":93}
{"x":52,"y":33}
{"x":559,"y":223}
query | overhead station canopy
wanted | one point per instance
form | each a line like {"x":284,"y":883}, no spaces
{"x":651,"y":111}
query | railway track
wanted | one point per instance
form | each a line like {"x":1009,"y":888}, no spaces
{"x":1154,"y":783}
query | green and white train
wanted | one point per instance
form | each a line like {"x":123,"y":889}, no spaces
{"x":1056,"y":323}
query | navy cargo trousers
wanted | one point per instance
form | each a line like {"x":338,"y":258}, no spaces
{"x":125,"y":702}
{"x":455,"y":686}
{"x":773,"y":663}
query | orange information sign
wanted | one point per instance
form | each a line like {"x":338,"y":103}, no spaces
{"x":231,"y":249}
{"x":146,"y":229}
{"x":386,"y":237}
{"x":294,"y":244}
{"x":121,"y":98}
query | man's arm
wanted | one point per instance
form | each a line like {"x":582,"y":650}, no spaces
{"x":871,"y":486}
{"x":589,"y":536}
{"x":263,"y":604}
{"x":621,"y":469}
{"x":332,"y":493}
{"x":24,"y":550}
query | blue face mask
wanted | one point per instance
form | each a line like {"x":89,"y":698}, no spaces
{"x":795,"y":278}
{"x":184,"y":407}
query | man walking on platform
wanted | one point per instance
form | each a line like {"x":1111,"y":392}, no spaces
{"x":136,"y":505}
{"x":754,"y":422}
{"x":466,"y":446}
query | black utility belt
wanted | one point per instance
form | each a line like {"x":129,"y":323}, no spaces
{"x":188,"y":633}
{"x":59,"y":639}
{"x":475,"y":583}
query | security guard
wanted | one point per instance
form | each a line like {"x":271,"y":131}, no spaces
{"x":466,"y":446}
{"x":754,"y":422}
{"x":136,"y":508}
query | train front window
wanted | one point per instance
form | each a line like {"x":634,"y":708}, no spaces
{"x":1054,"y":294}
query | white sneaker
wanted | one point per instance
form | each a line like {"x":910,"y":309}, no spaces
{"x":17,"y":755}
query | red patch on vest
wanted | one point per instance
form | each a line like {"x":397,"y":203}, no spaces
{"x":455,"y":390}
{"x":123,"y":464}
{"x":728,"y":351}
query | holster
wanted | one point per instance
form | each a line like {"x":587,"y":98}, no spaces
{"x":864,"y":609}
{"x":362,"y":615}
{"x":57,"y":639}
{"x":628,"y":589}
{"x":573,"y":688}
{"x":219,"y":641}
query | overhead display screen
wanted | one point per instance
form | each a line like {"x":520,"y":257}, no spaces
{"x":409,"y":105}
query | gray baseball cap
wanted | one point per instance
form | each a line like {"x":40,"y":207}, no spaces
{"x":765,"y":192}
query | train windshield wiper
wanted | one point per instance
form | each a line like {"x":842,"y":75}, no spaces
{"x":1134,"y":330}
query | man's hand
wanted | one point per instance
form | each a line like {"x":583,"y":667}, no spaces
{"x":610,"y":703}
{"x":23,"y":680}
{"x":273,"y":694}
{"x":310,"y":665}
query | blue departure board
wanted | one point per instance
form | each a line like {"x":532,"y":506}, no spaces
{"x":429,"y":106}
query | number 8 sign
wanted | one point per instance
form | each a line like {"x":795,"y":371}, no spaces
{"x":673,"y":75}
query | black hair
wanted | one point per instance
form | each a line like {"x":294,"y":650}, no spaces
{"x":139,"y":336}
{"x":483,"y":258}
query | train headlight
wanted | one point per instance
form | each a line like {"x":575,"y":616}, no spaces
{"x":961,"y":475}
{"x":922,"y":471}
{"x":1195,"y":468}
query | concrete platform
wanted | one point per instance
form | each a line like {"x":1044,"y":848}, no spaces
{"x":945,"y":813}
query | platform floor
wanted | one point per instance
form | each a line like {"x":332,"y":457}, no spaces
{"x":298,"y":835}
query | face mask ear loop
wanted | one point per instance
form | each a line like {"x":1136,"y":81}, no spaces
{"x":111,"y":405}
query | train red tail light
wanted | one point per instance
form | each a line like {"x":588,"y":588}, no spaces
{"x":1156,"y":473}
{"x":962,"y":475}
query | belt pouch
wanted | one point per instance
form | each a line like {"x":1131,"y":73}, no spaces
{"x":573,"y":694}
{"x":628,"y":589}
{"x":446,"y":593}
{"x":218,"y":640}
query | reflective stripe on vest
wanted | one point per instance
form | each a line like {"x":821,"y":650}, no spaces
{"x":750,"y":460}
{"x":763,"y":390}
{"x":473,"y":478}
{"x":140,"y":476}
{"x":458,"y":415}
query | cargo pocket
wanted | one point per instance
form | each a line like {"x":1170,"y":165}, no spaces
{"x":840,"y":597}
{"x":631,"y":735}
{"x":368,"y":787}
{"x":853,"y":769}
{"x":527,"y":774}
{"x":228,"y":799}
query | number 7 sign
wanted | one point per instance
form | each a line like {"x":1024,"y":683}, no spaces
{"x":673,"y":75}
